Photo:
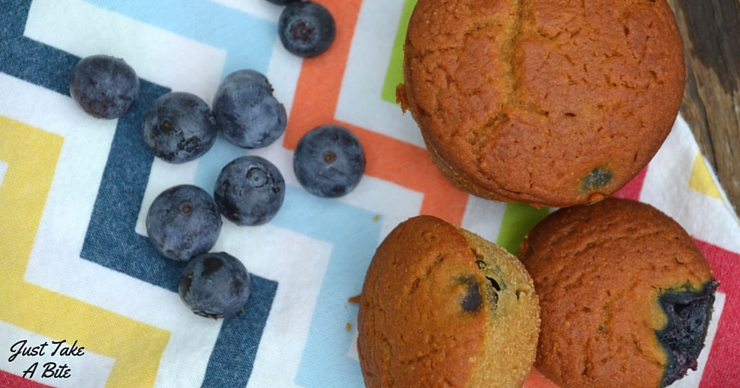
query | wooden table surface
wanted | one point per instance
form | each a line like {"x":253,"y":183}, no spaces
{"x":711,"y":101}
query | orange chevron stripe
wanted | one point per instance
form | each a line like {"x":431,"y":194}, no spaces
{"x":315,"y":103}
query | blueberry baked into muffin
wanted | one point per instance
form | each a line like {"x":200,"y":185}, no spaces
{"x":546,"y":102}
{"x":626,"y":295}
{"x":442,"y":307}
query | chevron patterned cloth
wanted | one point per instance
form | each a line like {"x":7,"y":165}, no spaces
{"x":86,"y":301}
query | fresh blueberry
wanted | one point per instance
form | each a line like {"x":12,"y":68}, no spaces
{"x":179,"y":127}
{"x":329,"y":161}
{"x":247,"y":112}
{"x":306,"y":29}
{"x":215,"y":285}
{"x":182,"y":222}
{"x":103,"y":86}
{"x":249,"y":191}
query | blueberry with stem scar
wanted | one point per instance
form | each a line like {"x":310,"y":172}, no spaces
{"x":179,"y":127}
{"x":182,"y":222}
{"x":329,"y":161}
{"x":249,"y":191}
{"x":306,"y":29}
{"x":103,"y":86}
{"x":246,"y":111}
{"x":215,"y":285}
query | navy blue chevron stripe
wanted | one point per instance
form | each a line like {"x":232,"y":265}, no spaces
{"x":111,"y":240}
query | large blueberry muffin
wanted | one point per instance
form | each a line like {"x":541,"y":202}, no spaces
{"x":546,"y":102}
{"x":442,"y":307}
{"x":626,"y":295}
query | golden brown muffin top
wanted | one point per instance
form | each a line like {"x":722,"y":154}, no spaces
{"x":548,"y":102}
{"x":599,"y":271}
{"x":418,"y":257}
{"x":430,"y":316}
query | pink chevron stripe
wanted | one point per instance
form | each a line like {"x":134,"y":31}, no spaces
{"x":633,"y":188}
{"x":9,"y":380}
{"x":723,"y":366}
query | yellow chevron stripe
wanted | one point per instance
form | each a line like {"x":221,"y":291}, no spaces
{"x":31,"y":155}
{"x":701,"y":179}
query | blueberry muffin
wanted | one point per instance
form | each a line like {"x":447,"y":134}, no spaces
{"x":546,"y":102}
{"x":626,"y":295}
{"x":442,"y":307}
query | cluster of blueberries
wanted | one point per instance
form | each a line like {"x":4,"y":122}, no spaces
{"x":184,"y":222}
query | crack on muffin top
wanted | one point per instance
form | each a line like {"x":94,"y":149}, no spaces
{"x":536,"y":76}
{"x":606,"y":272}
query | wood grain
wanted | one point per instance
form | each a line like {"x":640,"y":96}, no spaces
{"x":711,"y":102}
